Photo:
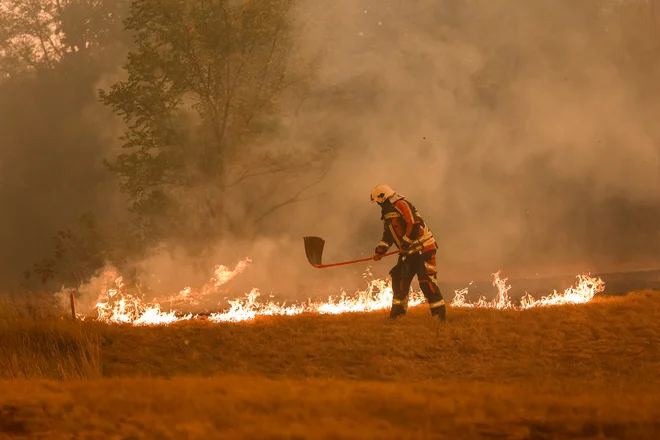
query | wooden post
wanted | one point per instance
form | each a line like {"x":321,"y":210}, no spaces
{"x":72,"y":297}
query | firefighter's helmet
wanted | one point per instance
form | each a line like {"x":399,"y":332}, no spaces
{"x":380,"y":193}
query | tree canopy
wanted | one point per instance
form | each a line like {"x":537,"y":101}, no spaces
{"x":203,"y":87}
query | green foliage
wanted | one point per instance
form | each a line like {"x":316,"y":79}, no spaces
{"x":223,"y":61}
{"x":202,"y":87}
{"x":78,"y":254}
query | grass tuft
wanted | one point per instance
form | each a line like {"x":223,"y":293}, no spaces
{"x":38,"y":343}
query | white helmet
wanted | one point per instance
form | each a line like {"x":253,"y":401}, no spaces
{"x":380,"y":193}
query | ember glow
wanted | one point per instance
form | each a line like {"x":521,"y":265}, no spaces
{"x":116,"y":305}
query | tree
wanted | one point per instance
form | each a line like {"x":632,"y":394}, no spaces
{"x":200,"y":104}
{"x":84,"y":249}
{"x":78,"y":254}
{"x":30,"y":36}
{"x":39,"y":34}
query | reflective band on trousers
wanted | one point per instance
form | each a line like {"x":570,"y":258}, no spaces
{"x":400,"y":302}
{"x":437,"y":304}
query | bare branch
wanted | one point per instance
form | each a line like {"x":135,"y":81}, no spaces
{"x":293,"y":199}
{"x":264,"y":172}
{"x":55,"y":48}
{"x":45,"y":51}
{"x":228,"y":86}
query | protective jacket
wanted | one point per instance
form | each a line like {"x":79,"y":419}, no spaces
{"x":403,"y":226}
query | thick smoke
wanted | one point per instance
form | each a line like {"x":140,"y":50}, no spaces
{"x":53,"y":131}
{"x":54,"y":137}
{"x":520,"y":130}
{"x":524,"y":132}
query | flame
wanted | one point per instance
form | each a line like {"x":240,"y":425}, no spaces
{"x":377,"y":296}
{"x":222,"y":275}
{"x":116,"y":305}
{"x":582,"y":292}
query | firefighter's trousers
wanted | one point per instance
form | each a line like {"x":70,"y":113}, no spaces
{"x":424,"y":267}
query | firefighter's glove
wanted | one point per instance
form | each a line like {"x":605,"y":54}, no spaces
{"x":411,"y":248}
{"x":377,"y":256}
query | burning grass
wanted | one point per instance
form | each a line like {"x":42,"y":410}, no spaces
{"x":608,"y":338}
{"x":611,"y":339}
{"x":117,"y":304}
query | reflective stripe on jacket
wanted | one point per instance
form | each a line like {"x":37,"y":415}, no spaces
{"x":402,"y":223}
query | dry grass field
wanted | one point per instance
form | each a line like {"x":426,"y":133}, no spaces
{"x":576,"y":372}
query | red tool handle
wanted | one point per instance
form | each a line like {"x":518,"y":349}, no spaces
{"x":322,"y":266}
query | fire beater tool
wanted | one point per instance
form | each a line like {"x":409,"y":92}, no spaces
{"x":314,"y":251}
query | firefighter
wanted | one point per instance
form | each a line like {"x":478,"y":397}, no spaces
{"x":403,"y":226}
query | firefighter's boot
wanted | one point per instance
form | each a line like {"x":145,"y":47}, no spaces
{"x":397,"y":311}
{"x":440,"y":313}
